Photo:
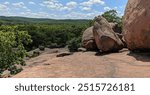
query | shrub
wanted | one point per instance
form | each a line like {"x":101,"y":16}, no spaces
{"x":74,"y":44}
{"x":111,"y":16}
{"x":36,"y":53}
{"x":14,"y":69}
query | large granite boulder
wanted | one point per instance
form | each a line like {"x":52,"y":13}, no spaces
{"x":88,"y":41}
{"x":136,"y":25}
{"x":105,"y":38}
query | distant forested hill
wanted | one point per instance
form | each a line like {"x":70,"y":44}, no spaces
{"x":25,"y":20}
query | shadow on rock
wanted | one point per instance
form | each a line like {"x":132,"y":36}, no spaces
{"x":141,"y":56}
{"x":100,"y":53}
{"x":105,"y":53}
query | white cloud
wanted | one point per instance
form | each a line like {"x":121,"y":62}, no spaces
{"x":115,"y":8}
{"x":70,"y":15}
{"x":52,"y":4}
{"x":71,"y":4}
{"x":41,"y":4}
{"x":81,"y":15}
{"x":92,"y":2}
{"x":56,"y":5}
{"x":52,"y":0}
{"x":86,"y":9}
{"x":28,"y":10}
{"x":75,"y":15}
{"x":4,"y":10}
{"x":36,"y":14}
{"x":6,"y":3}
{"x":107,"y":8}
{"x":32,"y":3}
{"x":18,"y":5}
{"x":3,"y":7}
{"x":87,"y":6}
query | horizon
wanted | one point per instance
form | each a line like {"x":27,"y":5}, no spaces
{"x":60,"y":9}
{"x":44,"y":18}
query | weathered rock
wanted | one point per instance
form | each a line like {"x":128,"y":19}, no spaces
{"x":34,"y":53}
{"x":105,"y":38}
{"x":88,"y":41}
{"x":118,"y":31}
{"x":82,"y":49}
{"x":55,"y":51}
{"x":54,"y":45}
{"x":122,"y":39}
{"x":64,"y":54}
{"x":42,"y":48}
{"x":116,"y":28}
{"x":6,"y":74}
{"x":137,"y":25}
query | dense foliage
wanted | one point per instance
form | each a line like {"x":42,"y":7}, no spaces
{"x":12,"y":49}
{"x":111,"y":16}
{"x":52,"y":35}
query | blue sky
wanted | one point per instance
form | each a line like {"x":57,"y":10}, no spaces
{"x":60,"y":9}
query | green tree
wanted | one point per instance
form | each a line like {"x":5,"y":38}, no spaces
{"x":12,"y":48}
{"x":91,"y":23}
{"x":111,"y":16}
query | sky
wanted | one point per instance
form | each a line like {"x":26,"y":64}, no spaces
{"x":60,"y":9}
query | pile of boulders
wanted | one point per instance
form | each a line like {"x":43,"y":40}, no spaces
{"x":101,"y":36}
{"x":107,"y":37}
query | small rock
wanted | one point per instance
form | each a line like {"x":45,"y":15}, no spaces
{"x":53,"y":45}
{"x":55,"y":51}
{"x":29,"y":54}
{"x":42,"y":48}
{"x":64,"y":54}
{"x":6,"y":74}
{"x":33,"y":53}
{"x":82,"y":49}
{"x":36,"y":53}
